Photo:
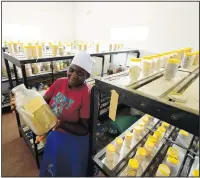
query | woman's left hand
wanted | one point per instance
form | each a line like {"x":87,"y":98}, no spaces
{"x":57,"y":125}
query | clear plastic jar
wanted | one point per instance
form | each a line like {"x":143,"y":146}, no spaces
{"x":187,"y":60}
{"x":110,"y":152}
{"x":34,"y":52}
{"x":183,"y":138}
{"x":132,"y":168}
{"x":196,"y":58}
{"x":172,"y":163}
{"x":135,"y":68}
{"x":54,"y":50}
{"x":145,"y":119}
{"x":80,"y":47}
{"x":157,"y":135}
{"x":149,"y":146}
{"x":163,"y":171}
{"x":171,"y":69}
{"x":128,"y":139}
{"x":146,"y":67}
{"x":153,"y":139}
{"x":15,"y":47}
{"x":173,"y":152}
{"x":48,"y":66}
{"x":21,"y":45}
{"x":28,"y":52}
{"x":162,"y":130}
{"x":10,"y":47}
{"x":110,"y":47}
{"x":165,"y":124}
{"x":39,"y":51}
{"x":61,"y":65}
{"x":140,"y":154}
{"x":36,"y":68}
{"x":157,"y":62}
{"x":28,"y":70}
{"x":85,"y":47}
{"x":57,"y":66}
{"x":97,"y":48}
{"x":141,"y":124}
{"x":115,"y":47}
{"x":61,"y":50}
{"x":118,"y":144}
{"x":137,"y":133}
{"x":179,"y":54}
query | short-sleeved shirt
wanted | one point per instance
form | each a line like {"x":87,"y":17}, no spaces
{"x":69,"y":104}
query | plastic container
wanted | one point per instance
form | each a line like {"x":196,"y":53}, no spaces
{"x":149,"y":146}
{"x":118,"y":144}
{"x":135,"y":68}
{"x":15,"y":47}
{"x":137,"y":133}
{"x":165,"y":124}
{"x":48,"y":66}
{"x":156,"y":63}
{"x":110,"y":152}
{"x":80,"y":47}
{"x":61,"y":50}
{"x":145,"y":119}
{"x":172,"y":151}
{"x":140,"y":154}
{"x":54,"y":50}
{"x":171,"y":69}
{"x":110,"y":47}
{"x":21,"y":46}
{"x":195,"y":173}
{"x":10,"y":47}
{"x":33,"y":109}
{"x":28,"y":52}
{"x":115,"y":47}
{"x":34,"y":52}
{"x":57,"y":66}
{"x":141,"y":124}
{"x":187,"y":60}
{"x":196,"y":58}
{"x":157,"y":135}
{"x":36,"y":68}
{"x":28,"y":70}
{"x":146,"y":65}
{"x":163,"y":171}
{"x":183,"y":138}
{"x":39,"y":51}
{"x":61,"y":65}
{"x":85,"y":47}
{"x":132,"y":168}
{"x":128,"y":139}
{"x":172,"y":163}
{"x":162,"y":130}
{"x":97,"y":48}
{"x":153,"y":139}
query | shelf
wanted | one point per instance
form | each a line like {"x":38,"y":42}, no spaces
{"x":19,"y":59}
{"x":149,"y":95}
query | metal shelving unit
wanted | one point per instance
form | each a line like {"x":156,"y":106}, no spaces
{"x":150,"y":95}
{"x":19,"y":60}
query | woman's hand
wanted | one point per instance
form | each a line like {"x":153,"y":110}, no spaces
{"x":12,"y":103}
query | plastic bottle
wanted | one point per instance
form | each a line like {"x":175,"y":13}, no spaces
{"x":162,"y":130}
{"x":165,"y":124}
{"x":10,"y":47}
{"x":196,"y":58}
{"x":28,"y":52}
{"x":54,"y":50}
{"x":149,"y":146}
{"x":110,"y":47}
{"x":158,"y":136}
{"x":163,"y":171}
{"x":110,"y":152}
{"x":137,"y":133}
{"x":128,"y":139}
{"x":61,"y":50}
{"x":132,"y":168}
{"x":36,"y":68}
{"x":135,"y":68}
{"x":173,"y":152}
{"x":183,"y":138}
{"x":146,"y":67}
{"x":34,"y":52}
{"x":140,"y":154}
{"x":28,"y":70}
{"x":142,"y":126}
{"x":39,"y":51}
{"x":15,"y":47}
{"x":171,"y":69}
{"x":172,"y":163}
{"x":118,"y":144}
{"x":187,"y":60}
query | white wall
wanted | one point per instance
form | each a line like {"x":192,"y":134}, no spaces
{"x":50,"y":20}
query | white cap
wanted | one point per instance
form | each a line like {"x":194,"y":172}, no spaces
{"x":83,"y":60}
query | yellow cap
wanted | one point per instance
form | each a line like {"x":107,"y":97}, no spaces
{"x":129,"y":135}
{"x":155,"y":56}
{"x":33,"y":46}
{"x":111,"y":148}
{"x":15,"y":42}
{"x":149,"y":143}
{"x":164,"y":169}
{"x":195,"y":173}
{"x":157,"y":134}
{"x":161,"y":129}
{"x":133,"y":163}
{"x":149,"y":116}
{"x":27,"y":46}
{"x":141,"y":124}
{"x":53,"y":45}
{"x":152,"y":139}
{"x":172,"y":160}
{"x":183,"y":132}
{"x":39,"y":46}
{"x":174,"y":61}
{"x":196,"y":52}
{"x":178,"y":51}
{"x":188,"y":54}
{"x":172,"y":152}
{"x":147,"y":57}
{"x":142,"y":151}
{"x":135,"y":60}
{"x":137,"y":128}
{"x":119,"y":140}
{"x":145,"y":119}
{"x":165,"y":124}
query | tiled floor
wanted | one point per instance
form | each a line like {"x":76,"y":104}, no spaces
{"x":17,"y":159}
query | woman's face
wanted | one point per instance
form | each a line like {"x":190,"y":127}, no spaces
{"x":76,"y":76}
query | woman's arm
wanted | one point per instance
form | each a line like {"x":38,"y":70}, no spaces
{"x":80,"y":128}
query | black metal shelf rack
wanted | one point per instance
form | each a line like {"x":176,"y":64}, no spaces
{"x":20,"y":61}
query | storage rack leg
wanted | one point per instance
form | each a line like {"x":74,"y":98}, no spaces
{"x":36,"y":151}
{"x":15,"y":72}
{"x":9,"y":73}
{"x":93,"y":128}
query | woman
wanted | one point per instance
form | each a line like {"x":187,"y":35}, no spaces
{"x":67,"y":147}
